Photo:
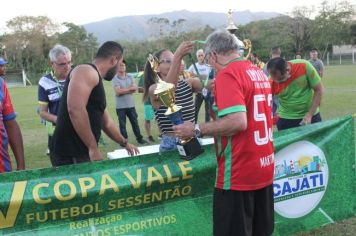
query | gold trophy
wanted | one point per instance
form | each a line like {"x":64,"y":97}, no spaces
{"x":190,"y":148}
{"x":231,"y":27}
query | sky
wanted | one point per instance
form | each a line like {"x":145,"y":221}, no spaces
{"x":81,"y":12}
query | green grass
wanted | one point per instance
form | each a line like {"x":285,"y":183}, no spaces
{"x":339,"y":100}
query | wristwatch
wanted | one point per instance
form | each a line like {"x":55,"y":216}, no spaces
{"x":197,"y":131}
{"x":124,"y":144}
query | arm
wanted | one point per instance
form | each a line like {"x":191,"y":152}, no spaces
{"x":321,"y":72}
{"x":83,"y":79}
{"x":153,"y":98}
{"x":226,"y":126}
{"x":318,"y":92}
{"x":121,"y":91}
{"x":44,"y":114}
{"x":182,"y":50}
{"x":195,"y":84}
{"x":16,"y":142}
{"x":111,"y":130}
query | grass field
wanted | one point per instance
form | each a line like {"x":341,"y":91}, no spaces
{"x":339,"y":99}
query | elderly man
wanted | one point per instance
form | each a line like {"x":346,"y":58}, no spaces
{"x":50,"y":88}
{"x":82,"y":113}
{"x":299,"y":90}
{"x":243,"y":196}
{"x":10,"y":130}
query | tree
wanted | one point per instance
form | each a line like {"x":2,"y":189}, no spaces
{"x":29,"y":40}
{"x":332,"y":25}
{"x":82,"y":44}
{"x":301,"y":28}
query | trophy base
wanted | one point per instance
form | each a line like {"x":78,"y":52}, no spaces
{"x":189,"y":150}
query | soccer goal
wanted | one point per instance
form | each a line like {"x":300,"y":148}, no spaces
{"x":16,"y":78}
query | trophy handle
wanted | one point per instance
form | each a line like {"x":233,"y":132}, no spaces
{"x":247,"y":45}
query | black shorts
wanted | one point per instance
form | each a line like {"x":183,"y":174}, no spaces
{"x":291,"y":123}
{"x":243,"y":212}
{"x":67,"y":160}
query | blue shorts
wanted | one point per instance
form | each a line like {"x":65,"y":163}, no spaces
{"x":168,"y":143}
{"x":148,"y":112}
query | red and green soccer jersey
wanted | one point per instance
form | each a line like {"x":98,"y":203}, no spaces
{"x":296,"y":94}
{"x":245,"y":160}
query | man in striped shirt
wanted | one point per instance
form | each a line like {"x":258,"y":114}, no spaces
{"x":243,"y":196}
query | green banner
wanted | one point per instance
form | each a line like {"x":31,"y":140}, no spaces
{"x":163,"y":194}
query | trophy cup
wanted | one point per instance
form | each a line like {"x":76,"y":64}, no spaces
{"x":188,"y":148}
{"x":243,"y":45}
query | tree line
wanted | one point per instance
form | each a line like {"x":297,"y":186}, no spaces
{"x":30,"y":38}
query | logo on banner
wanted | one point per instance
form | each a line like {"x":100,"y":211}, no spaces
{"x":300,"y":179}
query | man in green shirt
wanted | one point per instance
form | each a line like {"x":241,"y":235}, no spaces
{"x":299,"y":90}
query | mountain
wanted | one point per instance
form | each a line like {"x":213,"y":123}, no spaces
{"x":141,"y":27}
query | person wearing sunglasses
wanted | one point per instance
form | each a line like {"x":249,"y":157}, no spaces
{"x":50,"y":88}
{"x":168,"y":70}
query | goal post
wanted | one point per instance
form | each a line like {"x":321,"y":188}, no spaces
{"x":16,"y":78}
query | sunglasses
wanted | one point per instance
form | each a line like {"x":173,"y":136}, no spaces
{"x":168,"y":61}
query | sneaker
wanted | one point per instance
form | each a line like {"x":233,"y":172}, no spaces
{"x":142,"y":141}
{"x":150,"y":139}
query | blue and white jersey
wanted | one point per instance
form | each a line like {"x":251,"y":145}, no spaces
{"x":50,"y":92}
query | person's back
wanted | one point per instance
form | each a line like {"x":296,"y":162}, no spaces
{"x":67,"y":142}
{"x":251,"y":150}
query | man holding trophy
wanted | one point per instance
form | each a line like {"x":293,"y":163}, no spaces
{"x":172,"y":97}
{"x":243,"y":195}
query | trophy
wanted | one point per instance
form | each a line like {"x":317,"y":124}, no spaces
{"x":243,"y":45}
{"x":188,"y":148}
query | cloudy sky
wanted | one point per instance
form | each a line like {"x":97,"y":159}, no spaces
{"x":81,"y":12}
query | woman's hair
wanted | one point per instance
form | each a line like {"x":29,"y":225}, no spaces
{"x":149,"y":76}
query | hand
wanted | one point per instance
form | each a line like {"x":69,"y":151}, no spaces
{"x":131,"y":149}
{"x":307,"y":119}
{"x":185,"y":130}
{"x":184,"y":48}
{"x":94,"y":154}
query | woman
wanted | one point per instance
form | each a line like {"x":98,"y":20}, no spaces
{"x":168,"y":70}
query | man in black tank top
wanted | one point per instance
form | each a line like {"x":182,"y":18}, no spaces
{"x":82,"y":114}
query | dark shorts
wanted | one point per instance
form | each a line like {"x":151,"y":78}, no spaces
{"x":68,"y":160}
{"x":243,"y":212}
{"x":283,"y":123}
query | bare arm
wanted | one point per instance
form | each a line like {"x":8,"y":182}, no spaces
{"x":318,"y":92}
{"x":44,"y":114}
{"x":226,"y":126}
{"x":121,"y":91}
{"x":83,"y":79}
{"x":196,"y":84}
{"x":153,"y":98}
{"x":182,"y":50}
{"x":111,"y":130}
{"x":321,"y":72}
{"x":16,"y":142}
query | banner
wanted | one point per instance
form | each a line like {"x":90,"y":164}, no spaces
{"x":164,"y":195}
